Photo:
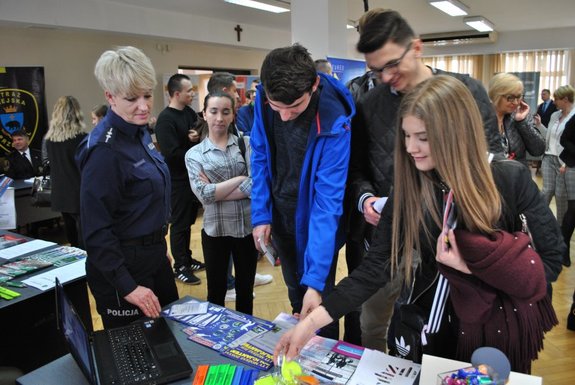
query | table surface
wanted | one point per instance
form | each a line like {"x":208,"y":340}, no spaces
{"x":65,"y":371}
{"x":431,"y":366}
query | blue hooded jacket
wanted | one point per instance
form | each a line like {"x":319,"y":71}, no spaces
{"x":322,"y":181}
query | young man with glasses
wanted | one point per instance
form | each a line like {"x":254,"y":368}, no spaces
{"x":393,"y":53}
{"x":300,"y":154}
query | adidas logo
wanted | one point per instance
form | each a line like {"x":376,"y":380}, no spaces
{"x":401,"y":347}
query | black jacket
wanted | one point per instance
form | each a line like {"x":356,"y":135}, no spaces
{"x":64,"y":175}
{"x":520,"y":195}
{"x":546,"y":116}
{"x":373,"y":141}
{"x":568,"y":142}
{"x":523,"y":136}
{"x":20,"y":168}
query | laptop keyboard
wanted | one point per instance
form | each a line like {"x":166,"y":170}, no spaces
{"x":132,"y":355}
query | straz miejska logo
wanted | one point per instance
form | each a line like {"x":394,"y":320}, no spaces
{"x":18,"y":111}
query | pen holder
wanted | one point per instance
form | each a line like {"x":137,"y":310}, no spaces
{"x":470,"y":375}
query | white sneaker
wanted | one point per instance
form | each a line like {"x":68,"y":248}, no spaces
{"x":263,"y":279}
{"x":231,"y":295}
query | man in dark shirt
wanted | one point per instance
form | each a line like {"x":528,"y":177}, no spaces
{"x":300,"y":152}
{"x":547,"y":108}
{"x":24,"y":162}
{"x":176,"y":135}
{"x":393,"y":53}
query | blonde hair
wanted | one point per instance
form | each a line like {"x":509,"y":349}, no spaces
{"x":458,"y":147}
{"x":67,"y":120}
{"x":504,"y":84}
{"x":564,"y":92}
{"x":125,"y":71}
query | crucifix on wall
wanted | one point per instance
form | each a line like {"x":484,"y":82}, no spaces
{"x":239,"y":30}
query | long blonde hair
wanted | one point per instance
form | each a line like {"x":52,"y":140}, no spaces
{"x":457,"y":145}
{"x":67,"y":120}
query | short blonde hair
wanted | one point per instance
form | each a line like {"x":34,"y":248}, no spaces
{"x":564,"y":92}
{"x":126,"y":70}
{"x":504,"y":84}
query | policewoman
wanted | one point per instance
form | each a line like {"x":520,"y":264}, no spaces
{"x":125,"y":196}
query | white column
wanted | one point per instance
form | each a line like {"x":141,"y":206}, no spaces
{"x":320,"y":26}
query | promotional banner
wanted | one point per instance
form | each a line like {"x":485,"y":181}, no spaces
{"x":345,"y":69}
{"x":530,"y":88}
{"x":22,"y":105}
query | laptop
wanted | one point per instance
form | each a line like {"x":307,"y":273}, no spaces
{"x":144,"y":352}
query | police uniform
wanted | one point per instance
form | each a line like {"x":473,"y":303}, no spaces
{"x":124,"y":208}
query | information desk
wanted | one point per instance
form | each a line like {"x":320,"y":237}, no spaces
{"x":28,"y":323}
{"x":65,"y":371}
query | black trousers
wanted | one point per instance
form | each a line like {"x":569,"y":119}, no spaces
{"x":149,"y":267}
{"x":184,"y":212}
{"x":286,"y":247}
{"x":73,"y":229}
{"x":217,"y":251}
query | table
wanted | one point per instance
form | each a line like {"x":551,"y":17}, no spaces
{"x":65,"y":371}
{"x":431,"y":366}
{"x":29,"y":322}
{"x":25,"y":212}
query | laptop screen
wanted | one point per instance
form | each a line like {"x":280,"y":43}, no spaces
{"x":75,"y":333}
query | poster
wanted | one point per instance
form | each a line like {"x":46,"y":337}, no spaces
{"x":22,"y":105}
{"x":346,"y":69}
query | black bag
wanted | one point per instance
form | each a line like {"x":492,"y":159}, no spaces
{"x":41,"y":191}
{"x":404,"y":339}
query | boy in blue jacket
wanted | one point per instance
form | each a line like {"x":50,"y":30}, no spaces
{"x":300,"y":153}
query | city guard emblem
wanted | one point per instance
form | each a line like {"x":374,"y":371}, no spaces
{"x":18,"y":111}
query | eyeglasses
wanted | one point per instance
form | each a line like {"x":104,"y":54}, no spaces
{"x":391,"y":67}
{"x":513,"y":98}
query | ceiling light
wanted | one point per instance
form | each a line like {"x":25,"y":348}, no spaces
{"x":258,"y":5}
{"x":479,"y":23}
{"x":451,"y":7}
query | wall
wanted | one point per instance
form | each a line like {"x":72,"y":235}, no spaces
{"x":69,"y":56}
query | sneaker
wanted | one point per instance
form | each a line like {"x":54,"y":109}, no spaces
{"x":186,"y":275}
{"x":231,"y":295}
{"x":263,"y":279}
{"x":197,"y":265}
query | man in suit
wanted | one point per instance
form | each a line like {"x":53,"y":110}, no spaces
{"x":545,"y":109}
{"x":24,"y":162}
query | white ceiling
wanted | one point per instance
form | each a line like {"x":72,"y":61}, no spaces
{"x":507,"y":15}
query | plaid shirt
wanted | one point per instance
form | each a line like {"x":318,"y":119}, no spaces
{"x":221,"y":218}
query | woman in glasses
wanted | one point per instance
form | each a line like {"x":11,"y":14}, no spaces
{"x":516,"y":126}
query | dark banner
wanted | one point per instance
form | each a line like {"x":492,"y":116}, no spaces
{"x":22,"y":105}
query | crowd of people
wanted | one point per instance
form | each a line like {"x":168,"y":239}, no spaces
{"x":423,"y":174}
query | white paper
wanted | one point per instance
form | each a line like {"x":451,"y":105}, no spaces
{"x":189,"y":308}
{"x":379,"y":204}
{"x":45,"y":281}
{"x":7,"y":210}
{"x":24,"y":248}
{"x":379,"y":368}
{"x":269,"y":252}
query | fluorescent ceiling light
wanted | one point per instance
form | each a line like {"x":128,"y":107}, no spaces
{"x":479,"y":23}
{"x":451,"y":7}
{"x":258,"y":5}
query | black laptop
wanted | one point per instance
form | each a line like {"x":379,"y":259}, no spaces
{"x":144,"y":352}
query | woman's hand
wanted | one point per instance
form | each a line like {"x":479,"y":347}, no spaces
{"x":295,"y":339}
{"x":311,"y":300}
{"x":537,"y":119}
{"x":448,"y":252}
{"x":146,"y":300}
{"x":522,"y":111}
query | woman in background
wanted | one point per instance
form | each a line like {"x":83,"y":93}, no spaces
{"x":218,"y":171}
{"x":67,"y":129}
{"x":440,"y":151}
{"x":553,"y":168}
{"x":516,"y":126}
{"x":98,"y":113}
